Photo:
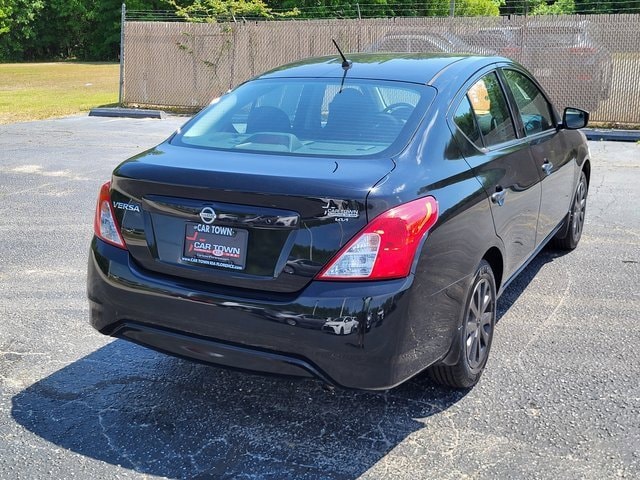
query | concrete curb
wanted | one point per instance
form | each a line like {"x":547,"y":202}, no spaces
{"x":612,"y":135}
{"x":127,"y":112}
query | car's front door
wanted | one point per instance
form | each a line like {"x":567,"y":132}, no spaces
{"x":502,"y":163}
{"x":549,"y":150}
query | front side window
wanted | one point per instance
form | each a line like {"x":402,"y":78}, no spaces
{"x":311,"y":117}
{"x":535,"y":111}
{"x":490,"y":108}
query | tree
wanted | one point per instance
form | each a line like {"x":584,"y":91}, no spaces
{"x":62,"y":27}
{"x":476,"y":8}
{"x":5,"y":13}
{"x":49,"y":29}
{"x":560,"y":7}
{"x":17,"y":30}
{"x":557,"y":7}
{"x":213,"y":10}
{"x":519,"y":7}
{"x":104,"y":17}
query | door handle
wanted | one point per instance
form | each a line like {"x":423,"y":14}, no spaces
{"x":498,"y":196}
{"x":547,"y":166}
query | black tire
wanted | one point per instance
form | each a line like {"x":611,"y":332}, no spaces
{"x":570,"y":234}
{"x":473,"y":340}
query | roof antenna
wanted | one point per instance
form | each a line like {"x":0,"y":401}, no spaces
{"x":346,"y":64}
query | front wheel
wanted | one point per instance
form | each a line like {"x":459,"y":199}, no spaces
{"x":473,"y":340}
{"x":573,"y":231}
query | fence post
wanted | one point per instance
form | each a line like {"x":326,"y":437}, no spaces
{"x":121,"y":87}
{"x":452,"y":8}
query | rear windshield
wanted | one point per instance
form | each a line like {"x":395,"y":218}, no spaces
{"x":318,"y":117}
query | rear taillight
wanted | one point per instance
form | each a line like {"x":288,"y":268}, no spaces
{"x":386,"y":247}
{"x":104,"y":224}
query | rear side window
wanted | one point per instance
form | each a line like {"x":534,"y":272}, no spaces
{"x":322,"y":117}
{"x":534,"y":109}
{"x":466,"y":122}
{"x":490,"y":108}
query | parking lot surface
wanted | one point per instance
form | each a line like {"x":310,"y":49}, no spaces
{"x":560,"y":397}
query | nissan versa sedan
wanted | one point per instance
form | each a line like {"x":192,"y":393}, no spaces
{"x":410,"y":189}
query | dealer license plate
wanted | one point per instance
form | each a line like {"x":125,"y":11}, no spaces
{"x":215,"y":246}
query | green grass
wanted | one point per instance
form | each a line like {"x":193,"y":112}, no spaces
{"x":34,"y":91}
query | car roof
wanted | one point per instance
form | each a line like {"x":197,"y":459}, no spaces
{"x":404,"y":67}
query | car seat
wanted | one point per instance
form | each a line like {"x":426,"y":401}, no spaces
{"x":268,"y":119}
{"x":350,"y":115}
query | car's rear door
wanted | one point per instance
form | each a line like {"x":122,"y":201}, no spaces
{"x":502,"y":163}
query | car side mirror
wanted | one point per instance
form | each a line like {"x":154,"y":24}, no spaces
{"x":574,"y":118}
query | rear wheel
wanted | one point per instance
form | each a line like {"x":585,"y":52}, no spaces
{"x":473,"y":340}
{"x":573,"y":232}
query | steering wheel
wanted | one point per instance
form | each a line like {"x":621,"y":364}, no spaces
{"x":533,"y":125}
{"x":397,"y":109}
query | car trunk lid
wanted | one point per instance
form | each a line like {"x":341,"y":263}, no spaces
{"x":254,"y":221}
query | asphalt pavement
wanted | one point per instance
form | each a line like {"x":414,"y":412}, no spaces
{"x":560,"y":397}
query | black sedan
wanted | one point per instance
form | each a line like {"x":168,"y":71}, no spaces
{"x":412,"y":188}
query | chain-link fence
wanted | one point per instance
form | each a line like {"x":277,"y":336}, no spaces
{"x":588,"y":61}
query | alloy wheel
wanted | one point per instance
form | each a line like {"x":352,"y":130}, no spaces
{"x":579,"y":209}
{"x":479,"y":324}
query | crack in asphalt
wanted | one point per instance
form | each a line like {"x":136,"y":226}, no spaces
{"x":537,"y":331}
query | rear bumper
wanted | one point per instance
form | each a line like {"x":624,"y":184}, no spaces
{"x":267,"y":332}
{"x":216,"y":352}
